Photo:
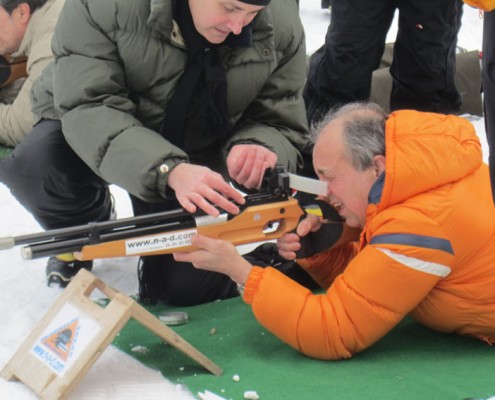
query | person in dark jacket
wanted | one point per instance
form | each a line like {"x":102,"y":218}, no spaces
{"x":167,"y":99}
{"x":488,"y":82}
{"x":424,"y":55}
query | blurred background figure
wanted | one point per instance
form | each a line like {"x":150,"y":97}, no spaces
{"x":423,"y":64}
{"x":26,"y":29}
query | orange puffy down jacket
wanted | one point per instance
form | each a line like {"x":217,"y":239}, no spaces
{"x":427,"y":249}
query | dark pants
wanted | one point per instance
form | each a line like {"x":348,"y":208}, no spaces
{"x":488,"y":76}
{"x":59,"y":190}
{"x":52,"y":182}
{"x":424,"y":55}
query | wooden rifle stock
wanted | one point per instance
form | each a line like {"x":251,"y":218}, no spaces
{"x":12,"y":69}
{"x":267,"y":215}
{"x":254,"y":224}
{"x":169,"y":232}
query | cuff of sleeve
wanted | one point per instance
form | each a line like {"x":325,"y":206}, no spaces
{"x":308,"y":262}
{"x":252,"y":283}
{"x":163,"y":173}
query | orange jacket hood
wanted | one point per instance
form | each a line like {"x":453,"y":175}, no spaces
{"x":425,"y":151}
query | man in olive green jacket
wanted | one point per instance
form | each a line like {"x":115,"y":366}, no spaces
{"x":163,"y":98}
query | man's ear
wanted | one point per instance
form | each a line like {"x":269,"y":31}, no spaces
{"x":378,"y":165}
{"x":24,"y":12}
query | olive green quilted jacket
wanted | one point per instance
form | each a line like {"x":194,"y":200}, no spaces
{"x":117,"y":63}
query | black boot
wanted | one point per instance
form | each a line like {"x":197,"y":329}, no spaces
{"x":61,"y":272}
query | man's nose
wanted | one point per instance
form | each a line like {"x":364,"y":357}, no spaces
{"x":236,"y":23}
{"x":325,"y":197}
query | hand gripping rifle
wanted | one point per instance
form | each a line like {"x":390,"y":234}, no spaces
{"x":266,"y":215}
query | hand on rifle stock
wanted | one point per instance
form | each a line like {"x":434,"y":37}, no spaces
{"x":290,"y":243}
{"x":316,"y":234}
{"x":12,"y":69}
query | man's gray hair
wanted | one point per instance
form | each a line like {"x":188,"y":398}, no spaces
{"x":364,"y":131}
{"x":11,"y":5}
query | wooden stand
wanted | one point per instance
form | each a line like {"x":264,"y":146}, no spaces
{"x":75,"y":331}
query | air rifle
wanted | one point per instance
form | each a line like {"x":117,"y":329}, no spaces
{"x":12,"y":69}
{"x":266,"y":215}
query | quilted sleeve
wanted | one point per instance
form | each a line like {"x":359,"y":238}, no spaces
{"x":376,"y":290}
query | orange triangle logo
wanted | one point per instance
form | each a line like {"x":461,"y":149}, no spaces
{"x":61,"y":340}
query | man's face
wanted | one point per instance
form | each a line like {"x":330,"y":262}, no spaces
{"x":12,"y":29}
{"x":216,"y":19}
{"x":348,"y":188}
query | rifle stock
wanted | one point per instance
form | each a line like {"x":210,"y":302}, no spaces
{"x":266,"y":215}
{"x":12,"y":69}
{"x":252,"y":225}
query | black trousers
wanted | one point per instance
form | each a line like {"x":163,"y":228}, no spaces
{"x":45,"y":175}
{"x":48,"y":178}
{"x":424,"y":55}
{"x":488,"y":82}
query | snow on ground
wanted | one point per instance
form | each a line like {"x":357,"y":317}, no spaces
{"x":25,"y":298}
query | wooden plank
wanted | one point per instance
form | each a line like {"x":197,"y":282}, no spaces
{"x":68,"y":340}
{"x":149,"y":321}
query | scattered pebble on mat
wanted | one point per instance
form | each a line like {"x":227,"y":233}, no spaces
{"x":251,"y":395}
{"x":140,"y":349}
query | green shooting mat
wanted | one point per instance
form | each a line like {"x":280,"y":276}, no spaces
{"x":5,"y":151}
{"x":410,"y":363}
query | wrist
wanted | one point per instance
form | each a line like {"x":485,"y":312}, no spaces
{"x":172,"y":171}
{"x":241,"y":273}
{"x":163,"y":182}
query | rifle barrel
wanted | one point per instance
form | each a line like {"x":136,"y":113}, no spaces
{"x":99,"y":228}
{"x":73,"y":239}
{"x":124,"y":224}
{"x":7,"y":243}
{"x":71,"y":245}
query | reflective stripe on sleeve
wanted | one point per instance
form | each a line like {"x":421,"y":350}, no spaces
{"x":417,"y":264}
{"x":408,"y":239}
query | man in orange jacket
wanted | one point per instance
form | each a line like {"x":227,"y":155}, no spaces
{"x":415,"y":183}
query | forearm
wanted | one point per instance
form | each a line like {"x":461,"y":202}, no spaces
{"x":361,"y":306}
{"x":122,"y":151}
{"x":291,"y":312}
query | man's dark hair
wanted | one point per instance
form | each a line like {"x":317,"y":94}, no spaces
{"x":11,"y":5}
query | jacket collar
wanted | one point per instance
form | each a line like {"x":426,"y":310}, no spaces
{"x":36,"y":19}
{"x":376,"y":190}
